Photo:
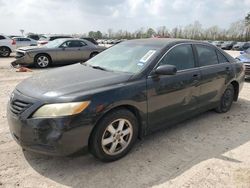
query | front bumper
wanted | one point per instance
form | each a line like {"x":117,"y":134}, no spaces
{"x":52,"y":136}
{"x":247,"y":70}
{"x":22,"y":58}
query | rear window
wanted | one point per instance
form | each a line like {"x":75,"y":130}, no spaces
{"x":2,"y":37}
{"x":206,"y":55}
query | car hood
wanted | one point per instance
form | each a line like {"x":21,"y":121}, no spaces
{"x":69,"y":81}
{"x":32,"y":48}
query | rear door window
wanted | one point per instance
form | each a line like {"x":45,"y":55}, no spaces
{"x":2,"y":37}
{"x":181,"y":56}
{"x":206,"y":55}
{"x":221,"y":57}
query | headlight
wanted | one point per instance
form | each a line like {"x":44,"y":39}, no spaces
{"x":61,"y":109}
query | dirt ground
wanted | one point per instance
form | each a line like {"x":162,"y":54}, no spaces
{"x":211,"y":150}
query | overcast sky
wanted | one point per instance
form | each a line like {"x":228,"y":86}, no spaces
{"x":81,"y":16}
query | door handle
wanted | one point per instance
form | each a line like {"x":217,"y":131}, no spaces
{"x":228,"y":70}
{"x":196,"y":79}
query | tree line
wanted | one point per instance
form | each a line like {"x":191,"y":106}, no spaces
{"x":238,"y":31}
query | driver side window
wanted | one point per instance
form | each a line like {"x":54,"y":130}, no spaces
{"x":73,"y":44}
{"x":180,"y":56}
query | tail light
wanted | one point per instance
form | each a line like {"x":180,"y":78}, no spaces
{"x":13,"y":42}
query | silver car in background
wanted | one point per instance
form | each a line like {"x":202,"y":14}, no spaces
{"x":59,"y":51}
{"x":24,"y":41}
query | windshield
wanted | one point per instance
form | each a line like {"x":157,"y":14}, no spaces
{"x":125,"y":57}
{"x":55,"y":43}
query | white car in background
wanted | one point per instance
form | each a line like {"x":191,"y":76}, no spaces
{"x":7,"y":45}
{"x":24,"y":41}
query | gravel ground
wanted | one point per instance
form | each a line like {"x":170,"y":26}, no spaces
{"x":211,"y":150}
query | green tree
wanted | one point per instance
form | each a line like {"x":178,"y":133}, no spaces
{"x":150,"y":32}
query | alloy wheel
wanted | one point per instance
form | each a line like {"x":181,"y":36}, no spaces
{"x":43,"y":61}
{"x":117,"y":137}
{"x":4,"y":52}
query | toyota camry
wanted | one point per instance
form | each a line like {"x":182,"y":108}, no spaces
{"x":124,"y":93}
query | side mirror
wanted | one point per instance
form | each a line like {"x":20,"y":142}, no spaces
{"x":166,"y":70}
{"x":242,"y":52}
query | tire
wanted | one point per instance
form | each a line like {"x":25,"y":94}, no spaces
{"x":226,"y":100}
{"x":42,"y":61}
{"x":93,"y":55}
{"x":114,"y":136}
{"x":5,"y":51}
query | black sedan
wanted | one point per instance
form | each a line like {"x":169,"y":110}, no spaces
{"x":123,"y":93}
{"x":228,"y":45}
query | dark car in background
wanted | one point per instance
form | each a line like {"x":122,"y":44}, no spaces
{"x":45,"y":39}
{"x":245,"y":58}
{"x":59,"y":51}
{"x":128,"y":91}
{"x":90,"y":39}
{"x":241,"y":46}
{"x":35,"y":36}
{"x":217,"y":43}
{"x":228,"y":45}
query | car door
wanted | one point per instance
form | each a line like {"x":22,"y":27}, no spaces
{"x":70,"y":52}
{"x":85,"y":50}
{"x":216,"y":71}
{"x":23,"y":42}
{"x":173,"y":97}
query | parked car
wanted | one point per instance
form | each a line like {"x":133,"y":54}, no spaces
{"x":24,"y":41}
{"x":245,"y":58}
{"x":11,"y":36}
{"x":241,"y":46}
{"x":228,"y":45}
{"x":128,"y":91}
{"x":7,"y":45}
{"x":217,"y":43}
{"x":59,"y":51}
{"x":45,"y":39}
{"x":90,"y":39}
{"x":34,"y":36}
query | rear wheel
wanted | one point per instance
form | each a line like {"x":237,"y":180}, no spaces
{"x":114,"y":136}
{"x":42,"y":61}
{"x":4,"y":51}
{"x":226,"y":100}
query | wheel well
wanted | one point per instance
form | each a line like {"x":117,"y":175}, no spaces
{"x":236,"y":89}
{"x":43,"y":54}
{"x":95,"y":52}
{"x":127,"y":107}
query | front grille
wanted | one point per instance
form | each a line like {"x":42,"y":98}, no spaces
{"x":17,"y":106}
{"x":247,"y":70}
{"x":19,"y":54}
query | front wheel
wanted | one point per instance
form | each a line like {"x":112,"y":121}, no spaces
{"x":42,"y":61}
{"x":226,"y":100}
{"x":114,"y":136}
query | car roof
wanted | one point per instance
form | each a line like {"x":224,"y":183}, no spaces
{"x":162,"y":42}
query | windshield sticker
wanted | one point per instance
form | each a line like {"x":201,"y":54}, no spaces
{"x":147,"y":56}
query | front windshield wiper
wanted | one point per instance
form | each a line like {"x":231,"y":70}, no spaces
{"x":100,"y":68}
